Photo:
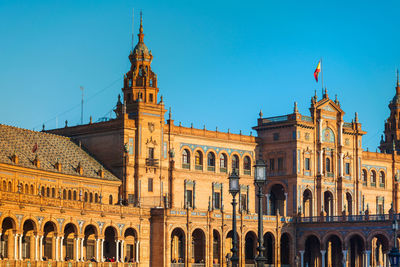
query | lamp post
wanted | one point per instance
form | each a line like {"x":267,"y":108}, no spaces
{"x":233,"y":190}
{"x":394,"y":254}
{"x":260,"y":178}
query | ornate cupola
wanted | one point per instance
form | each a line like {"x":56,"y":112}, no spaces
{"x":391,"y":140}
{"x":140,"y":82}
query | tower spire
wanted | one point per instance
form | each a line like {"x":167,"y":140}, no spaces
{"x":141,"y":35}
{"x":398,"y":83}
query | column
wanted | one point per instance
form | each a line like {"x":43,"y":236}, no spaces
{"x":41,"y":248}
{"x":320,"y":130}
{"x":36,"y":247}
{"x":122,"y":251}
{"x":323,"y":252}
{"x":77,"y":249}
{"x":117,"y":250}
{"x":56,"y":239}
{"x":320,"y":166}
{"x":367,"y":255}
{"x":82,"y":239}
{"x":301,"y":258}
{"x":137,"y":251}
{"x":101,"y":250}
{"x":344,"y":258}
{"x":15,"y":246}
{"x":286,"y":205}
{"x":61,"y":248}
{"x":267,"y":202}
{"x":97,"y":250}
{"x":341,"y":133}
{"x":20,"y":247}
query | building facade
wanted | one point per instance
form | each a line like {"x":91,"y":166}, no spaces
{"x":140,"y":190}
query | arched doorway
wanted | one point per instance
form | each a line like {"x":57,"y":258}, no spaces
{"x":356,"y":248}
{"x":216,"y":247}
{"x":89,"y":242}
{"x":277,"y":200}
{"x":307,"y":203}
{"x":250,"y":247}
{"x":7,"y":238}
{"x":349,"y":203}
{"x":379,"y":250}
{"x":198,"y":246}
{"x":28,"y":240}
{"x":49,"y":240}
{"x":269,"y":245}
{"x":110,"y":243}
{"x":328,"y":203}
{"x":177,"y":246}
{"x":334,"y":253}
{"x":312,"y":254}
{"x":70,"y":233}
{"x":285,"y":250}
{"x":131,"y":245}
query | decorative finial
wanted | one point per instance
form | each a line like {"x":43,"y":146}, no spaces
{"x":261,"y":114}
{"x":325,"y":93}
{"x":295,"y":110}
{"x":356,"y":117}
{"x":315,"y":95}
{"x":398,"y":84}
{"x":169,"y":114}
{"x":141,"y":35}
{"x":66,"y":123}
{"x":119,"y":98}
{"x":161,"y":100}
{"x":91,"y":120}
{"x":43,"y":127}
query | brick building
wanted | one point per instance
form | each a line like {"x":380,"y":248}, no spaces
{"x":146,"y":192}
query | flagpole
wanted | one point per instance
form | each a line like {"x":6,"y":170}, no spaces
{"x":322,"y":77}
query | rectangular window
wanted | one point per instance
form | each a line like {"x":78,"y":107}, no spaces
{"x":307,"y":164}
{"x":347,"y":168}
{"x":243,"y":202}
{"x":280,"y":164}
{"x":130,"y":146}
{"x":276,"y":136}
{"x":151,"y":98}
{"x":294,"y":135}
{"x":189,"y":198}
{"x":217,"y":200}
{"x":271,"y":164}
{"x":131,"y":198}
{"x":151,"y":153}
{"x":150,"y":184}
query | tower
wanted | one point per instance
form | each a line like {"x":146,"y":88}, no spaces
{"x":143,"y":118}
{"x":391,"y":139}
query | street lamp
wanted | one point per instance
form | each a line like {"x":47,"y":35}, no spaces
{"x":394,"y":254}
{"x":234,"y":188}
{"x":260,"y":177}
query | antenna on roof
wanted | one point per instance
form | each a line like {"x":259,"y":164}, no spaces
{"x":82,"y":105}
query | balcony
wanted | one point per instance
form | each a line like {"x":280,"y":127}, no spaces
{"x":329,"y":174}
{"x":186,"y":166}
{"x":198,"y":167}
{"x":211,"y":168}
{"x":247,"y":172}
{"x":373,"y":184}
{"x":381,"y":185}
{"x":223,"y":170}
{"x":152,"y":162}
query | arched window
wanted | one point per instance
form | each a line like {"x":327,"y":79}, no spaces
{"x":211,"y":161}
{"x":74,"y":195}
{"x":96,"y":198}
{"x":364,"y":176}
{"x":86,"y":197}
{"x":185,"y":159}
{"x":65,"y":194}
{"x":381,"y":179}
{"x":110,"y":200}
{"x":91,"y":197}
{"x":69,"y":195}
{"x":235,"y":163}
{"x":223,"y":163}
{"x":26,"y":189}
{"x":32,"y":189}
{"x":53,"y":192}
{"x":4,"y":186}
{"x":373,"y":178}
{"x":198,"y":160}
{"x":328,"y":165}
{"x":247,"y":165}
{"x":9,"y":187}
{"x":48,"y":191}
{"x":43,"y":193}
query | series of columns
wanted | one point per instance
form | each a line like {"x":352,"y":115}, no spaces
{"x":79,"y":245}
{"x":366,"y":259}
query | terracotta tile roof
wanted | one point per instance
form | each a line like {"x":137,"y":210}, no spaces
{"x":50,"y":150}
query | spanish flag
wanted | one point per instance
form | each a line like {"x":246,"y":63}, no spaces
{"x":317,"y":71}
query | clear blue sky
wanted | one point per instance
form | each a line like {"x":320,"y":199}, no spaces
{"x":218,"y":62}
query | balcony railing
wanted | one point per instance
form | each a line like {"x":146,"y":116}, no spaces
{"x":186,"y":166}
{"x":348,"y":218}
{"x":224,"y":170}
{"x":382,"y":185}
{"x":211,"y":168}
{"x":198,"y":167}
{"x":329,"y":174}
{"x":373,"y":184}
{"x":177,"y":265}
{"x":247,"y":172}
{"x":152,"y":162}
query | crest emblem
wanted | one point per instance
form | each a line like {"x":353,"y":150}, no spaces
{"x":151,"y":126}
